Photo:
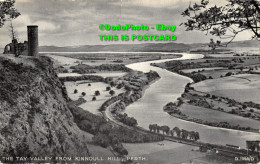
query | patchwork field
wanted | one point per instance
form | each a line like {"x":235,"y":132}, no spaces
{"x":243,"y":87}
{"x":98,"y":58}
{"x":90,"y":105}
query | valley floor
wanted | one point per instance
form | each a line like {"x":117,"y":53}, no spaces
{"x":166,"y":151}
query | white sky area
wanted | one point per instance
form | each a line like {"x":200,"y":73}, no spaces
{"x":76,"y":22}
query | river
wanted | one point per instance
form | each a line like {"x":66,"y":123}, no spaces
{"x":149,"y":109}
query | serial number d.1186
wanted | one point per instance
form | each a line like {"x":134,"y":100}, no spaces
{"x":246,"y":159}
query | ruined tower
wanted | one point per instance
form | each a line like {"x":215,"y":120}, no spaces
{"x":32,"y":40}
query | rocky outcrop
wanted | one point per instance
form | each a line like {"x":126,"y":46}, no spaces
{"x":34,"y":116}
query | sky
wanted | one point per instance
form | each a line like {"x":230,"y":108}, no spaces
{"x":76,"y":22}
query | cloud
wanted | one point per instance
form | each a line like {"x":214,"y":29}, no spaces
{"x":45,"y":26}
{"x":72,"y":22}
{"x":152,"y":3}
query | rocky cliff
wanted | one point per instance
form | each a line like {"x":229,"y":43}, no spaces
{"x":34,"y":116}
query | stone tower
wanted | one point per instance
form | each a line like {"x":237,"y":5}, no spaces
{"x":32,"y":40}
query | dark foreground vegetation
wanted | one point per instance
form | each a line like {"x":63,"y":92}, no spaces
{"x":84,"y":68}
{"x":134,"y":90}
{"x":92,"y":78}
{"x":107,"y":133}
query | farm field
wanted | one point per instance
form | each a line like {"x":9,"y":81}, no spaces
{"x":217,"y":116}
{"x":243,"y":87}
{"x":98,"y":58}
{"x":218,"y":73}
{"x":90,"y":105}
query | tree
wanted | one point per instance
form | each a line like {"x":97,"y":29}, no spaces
{"x":13,"y":33}
{"x":108,"y":88}
{"x":75,"y":91}
{"x":105,"y":128}
{"x":214,"y":45}
{"x":197,"y":136}
{"x":213,"y":96}
{"x":112,"y":84}
{"x":224,"y":21}
{"x":94,"y":98}
{"x":177,"y":130}
{"x":184,"y":134}
{"x":241,"y":68}
{"x":101,"y":139}
{"x":228,"y":74}
{"x":112,"y":92}
{"x":97,"y":93}
{"x":83,"y":94}
{"x":8,"y":12}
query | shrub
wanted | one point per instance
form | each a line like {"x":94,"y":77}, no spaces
{"x":208,"y":95}
{"x":108,"y":88}
{"x":101,"y":139}
{"x":83,"y":94}
{"x":94,"y":98}
{"x":112,"y":92}
{"x":228,"y":74}
{"x":75,"y":91}
{"x":97,"y":93}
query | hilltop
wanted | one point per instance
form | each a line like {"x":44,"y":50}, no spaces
{"x":34,"y":114}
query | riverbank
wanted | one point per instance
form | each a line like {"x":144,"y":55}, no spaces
{"x":198,"y":121}
{"x":135,"y":88}
{"x":167,"y":89}
{"x":210,"y":109}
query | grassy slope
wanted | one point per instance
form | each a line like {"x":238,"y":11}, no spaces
{"x":218,"y":116}
{"x":244,"y":87}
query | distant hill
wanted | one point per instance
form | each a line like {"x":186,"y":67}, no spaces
{"x":150,"y":47}
{"x":247,"y":43}
{"x":146,"y":47}
{"x":231,"y":47}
